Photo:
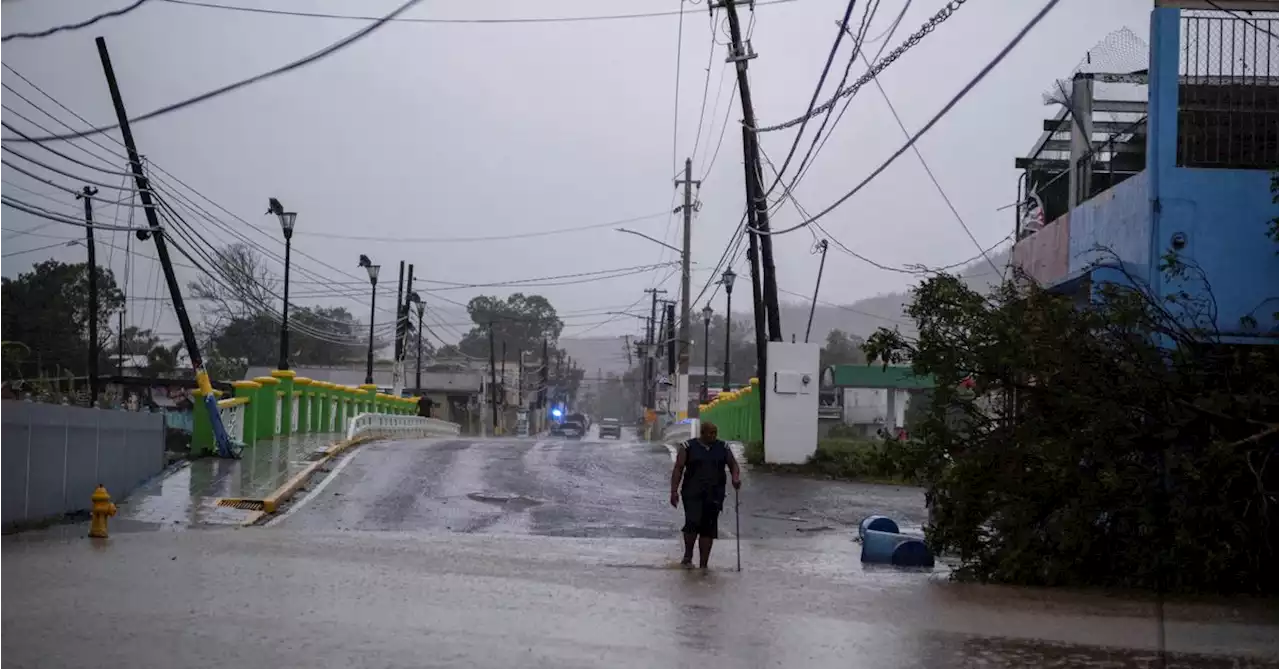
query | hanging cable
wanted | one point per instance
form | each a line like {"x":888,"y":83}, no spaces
{"x":927,"y":126}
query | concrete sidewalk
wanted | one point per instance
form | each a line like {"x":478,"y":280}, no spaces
{"x":188,"y":495}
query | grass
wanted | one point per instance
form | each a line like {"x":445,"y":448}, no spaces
{"x":862,"y":460}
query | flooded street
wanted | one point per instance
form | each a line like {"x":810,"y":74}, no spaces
{"x":542,"y":553}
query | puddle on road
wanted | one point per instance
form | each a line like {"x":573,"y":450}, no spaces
{"x":513,"y":501}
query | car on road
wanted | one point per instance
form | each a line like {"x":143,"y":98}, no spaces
{"x":610,"y":427}
{"x":572,"y":429}
{"x":555,"y":429}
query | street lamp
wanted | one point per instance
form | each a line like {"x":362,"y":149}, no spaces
{"x":372,"y":269}
{"x":287,"y":220}
{"x":414,"y":298}
{"x":706,"y":348}
{"x":727,"y":279}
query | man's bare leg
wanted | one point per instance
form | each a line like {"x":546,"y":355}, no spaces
{"x":689,"y":539}
{"x":704,"y":551}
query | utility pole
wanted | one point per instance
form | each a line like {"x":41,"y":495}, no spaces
{"x":417,"y":377}
{"x":822,"y":246}
{"x":739,"y":55}
{"x":504,"y":373}
{"x":671,"y":338}
{"x":87,"y":195}
{"x":649,"y":395}
{"x":753,"y":257}
{"x":493,"y":384}
{"x":520,"y":379}
{"x":162,"y":251}
{"x":398,"y":348}
{"x":682,"y":377}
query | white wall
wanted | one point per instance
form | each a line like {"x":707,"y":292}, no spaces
{"x":791,"y":403}
{"x":871,"y":405}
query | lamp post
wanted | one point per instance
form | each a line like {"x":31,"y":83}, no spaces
{"x":727,"y":279}
{"x":372,"y":269}
{"x":706,"y":349}
{"x":287,"y":220}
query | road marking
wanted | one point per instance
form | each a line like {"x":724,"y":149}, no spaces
{"x":324,"y":483}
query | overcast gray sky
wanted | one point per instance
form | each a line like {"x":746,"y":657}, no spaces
{"x":436,"y":131}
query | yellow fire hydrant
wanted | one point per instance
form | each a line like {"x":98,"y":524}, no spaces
{"x":102,"y":509}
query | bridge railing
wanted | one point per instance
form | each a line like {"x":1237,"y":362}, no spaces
{"x":383,"y":425}
{"x":283,"y":404}
{"x":736,"y":413}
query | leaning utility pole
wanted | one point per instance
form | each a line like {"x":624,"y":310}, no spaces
{"x":753,"y":257}
{"x":87,"y":196}
{"x":682,"y":372}
{"x":162,"y":251}
{"x":739,"y":54}
{"x":822,"y":245}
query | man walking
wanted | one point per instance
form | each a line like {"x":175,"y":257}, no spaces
{"x":698,"y":480}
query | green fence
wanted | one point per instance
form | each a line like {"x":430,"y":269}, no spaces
{"x":736,"y":413}
{"x":284,"y":404}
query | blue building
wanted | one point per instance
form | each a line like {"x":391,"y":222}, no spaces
{"x":1177,"y":156}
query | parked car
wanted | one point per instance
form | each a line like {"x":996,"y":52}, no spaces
{"x":555,"y":428}
{"x":572,"y":429}
{"x":610,"y":427}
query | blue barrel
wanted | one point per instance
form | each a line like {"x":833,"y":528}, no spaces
{"x":877,"y":523}
{"x":896,"y":549}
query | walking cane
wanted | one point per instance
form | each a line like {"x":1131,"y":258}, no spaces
{"x":737,"y":528}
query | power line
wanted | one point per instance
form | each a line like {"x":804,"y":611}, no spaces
{"x":75,"y":26}
{"x":817,"y":89}
{"x":70,"y":242}
{"x":919,"y":156}
{"x":928,"y":27}
{"x":849,"y":100}
{"x":61,"y":218}
{"x":488,"y":238}
{"x":927,"y":126}
{"x":675,"y":124}
{"x":820,"y":141}
{"x":218,"y":92}
{"x":494,"y":21}
{"x":844,"y":308}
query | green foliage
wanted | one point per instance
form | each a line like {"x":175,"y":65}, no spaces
{"x":859,"y":459}
{"x":1104,"y":443}
{"x":241,"y":326}
{"x":710,"y":341}
{"x":520,"y":322}
{"x":46,"y":311}
{"x":841,"y":348}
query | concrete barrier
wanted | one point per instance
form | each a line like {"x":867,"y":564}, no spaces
{"x":388,"y":425}
{"x":882,"y":543}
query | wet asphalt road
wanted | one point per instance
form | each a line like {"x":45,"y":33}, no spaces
{"x":569,"y":488}
{"x":547,"y":553}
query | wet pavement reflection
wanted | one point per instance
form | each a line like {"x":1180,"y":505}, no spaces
{"x":540,"y":553}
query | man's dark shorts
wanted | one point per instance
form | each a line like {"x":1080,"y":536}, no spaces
{"x":701,"y":516}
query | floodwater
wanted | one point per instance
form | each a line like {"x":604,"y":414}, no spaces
{"x":563,"y":554}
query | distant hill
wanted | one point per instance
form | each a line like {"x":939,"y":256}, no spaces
{"x":862,"y":317}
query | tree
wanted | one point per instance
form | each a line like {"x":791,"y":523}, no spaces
{"x":47,"y":310}
{"x":742,"y":348}
{"x":1088,"y":443}
{"x":842,"y":348}
{"x":238,"y":287}
{"x":521,"y":321}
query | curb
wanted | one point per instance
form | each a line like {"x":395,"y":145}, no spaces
{"x":269,"y":504}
